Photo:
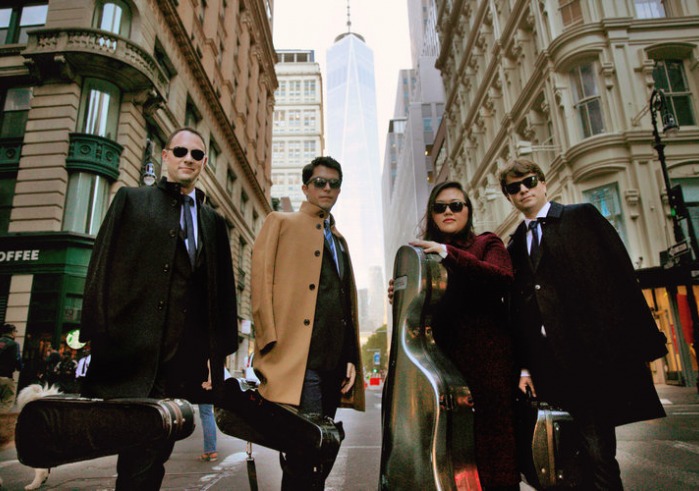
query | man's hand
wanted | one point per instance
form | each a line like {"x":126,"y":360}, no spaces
{"x":524,"y":382}
{"x":348,"y":382}
{"x":390,"y":291}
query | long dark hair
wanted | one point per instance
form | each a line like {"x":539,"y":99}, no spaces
{"x":430,"y":229}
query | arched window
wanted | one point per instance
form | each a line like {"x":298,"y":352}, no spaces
{"x":587,"y":99}
{"x":113,"y":16}
{"x":669,"y":75}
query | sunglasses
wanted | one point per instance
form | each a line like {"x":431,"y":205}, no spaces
{"x":454,"y":206}
{"x":320,"y":182}
{"x":180,"y":152}
{"x":529,"y":183}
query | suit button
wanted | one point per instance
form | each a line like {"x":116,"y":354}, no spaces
{"x":166,"y":268}
{"x":318,"y":226}
{"x":173,"y":233}
{"x":316,"y":253}
{"x":161,"y":305}
{"x":537,"y":287}
{"x":306,"y":322}
{"x":311,"y":287}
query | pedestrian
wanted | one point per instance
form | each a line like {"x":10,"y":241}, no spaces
{"x":65,"y":373}
{"x":83,"y":365}
{"x":10,"y":361}
{"x":53,"y":358}
{"x":584,"y":333}
{"x":160,"y":299}
{"x":470,"y":326}
{"x":305,"y":312}
{"x":208,"y":426}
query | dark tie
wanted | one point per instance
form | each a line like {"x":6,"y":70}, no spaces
{"x":189,"y":229}
{"x":534,"y":249}
{"x":331,"y":242}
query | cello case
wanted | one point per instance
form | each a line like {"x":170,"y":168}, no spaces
{"x":427,"y":414}
{"x":61,"y":429}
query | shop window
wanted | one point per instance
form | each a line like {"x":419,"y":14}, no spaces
{"x":99,"y":113}
{"x":587,"y":100}
{"x":669,"y":75}
{"x":571,"y":12}
{"x":606,"y":200}
{"x":649,"y":9}
{"x":16,"y":21}
{"x":15,"y":110}
{"x":86,"y":202}
{"x":113,"y":16}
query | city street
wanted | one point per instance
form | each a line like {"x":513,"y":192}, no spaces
{"x":656,"y":455}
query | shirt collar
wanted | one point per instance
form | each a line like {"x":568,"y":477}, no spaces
{"x":543,"y":212}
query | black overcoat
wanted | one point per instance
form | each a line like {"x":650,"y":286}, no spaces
{"x":584,"y":292}
{"x":128,"y":289}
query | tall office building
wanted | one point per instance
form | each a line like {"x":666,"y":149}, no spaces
{"x":297,"y":135}
{"x":89,"y":92}
{"x":352,"y":138}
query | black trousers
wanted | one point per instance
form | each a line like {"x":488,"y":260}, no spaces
{"x":320,"y":395}
{"x":555,"y":385}
{"x":143,"y":468}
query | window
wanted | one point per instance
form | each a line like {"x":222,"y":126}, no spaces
{"x":606,"y":200}
{"x":16,"y":21}
{"x":86,"y":202}
{"x":113,"y":16}
{"x":295,"y":90}
{"x":294,"y":120}
{"x":281,"y":91}
{"x":191,"y":115}
{"x":309,"y":150}
{"x":587,"y":100}
{"x":243,"y":202}
{"x":670,"y":77}
{"x":309,"y":89}
{"x":294,"y":151}
{"x":15,"y":110}
{"x":649,"y":9}
{"x":7,"y":194}
{"x":571,"y":12}
{"x":230,"y":182}
{"x":279,"y":119}
{"x":99,"y":113}
{"x":214,"y":152}
{"x":309,"y":120}
{"x":278,"y":150}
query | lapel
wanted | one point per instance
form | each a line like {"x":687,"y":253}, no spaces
{"x":518,"y":247}
{"x":550,"y":229}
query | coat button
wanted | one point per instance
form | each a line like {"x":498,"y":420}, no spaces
{"x":537,"y":287}
{"x":318,"y":226}
{"x":311,"y":287}
{"x":316,"y":253}
{"x":321,"y":215}
{"x":161,"y":305}
{"x":173,"y":233}
{"x":173,"y":203}
{"x":166,"y":268}
{"x":306,"y":322}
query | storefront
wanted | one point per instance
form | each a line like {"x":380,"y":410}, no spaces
{"x":672,"y":295}
{"x":42,"y":278}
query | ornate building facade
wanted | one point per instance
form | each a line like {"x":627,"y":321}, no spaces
{"x":567,"y":83}
{"x":90,"y":89}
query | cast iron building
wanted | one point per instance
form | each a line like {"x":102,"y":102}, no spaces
{"x":89,"y":91}
{"x":567,"y":84}
{"x":297,"y":135}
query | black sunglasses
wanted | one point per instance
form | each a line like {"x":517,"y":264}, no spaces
{"x":180,"y":152}
{"x":529,"y":183}
{"x":320,"y":182}
{"x":454,"y":206}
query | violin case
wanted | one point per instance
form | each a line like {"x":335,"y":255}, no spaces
{"x":61,"y":429}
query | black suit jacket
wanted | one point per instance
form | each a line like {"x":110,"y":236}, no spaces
{"x":584,"y":292}
{"x":130,"y":302}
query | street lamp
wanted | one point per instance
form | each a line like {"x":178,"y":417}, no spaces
{"x":148,"y":176}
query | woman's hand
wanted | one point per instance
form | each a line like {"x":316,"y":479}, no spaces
{"x":390,"y":291}
{"x":524,"y":382}
{"x":429,"y":246}
{"x":350,"y":376}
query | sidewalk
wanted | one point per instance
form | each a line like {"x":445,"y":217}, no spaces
{"x":677,"y":395}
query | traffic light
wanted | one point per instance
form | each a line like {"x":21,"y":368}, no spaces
{"x":677,"y":204}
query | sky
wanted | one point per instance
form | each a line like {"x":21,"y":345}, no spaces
{"x":314,"y":24}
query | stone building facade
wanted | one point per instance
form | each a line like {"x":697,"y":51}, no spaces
{"x":89,"y":91}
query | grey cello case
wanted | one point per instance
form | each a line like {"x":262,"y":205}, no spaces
{"x":427,"y":414}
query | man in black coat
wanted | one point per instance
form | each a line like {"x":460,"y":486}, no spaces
{"x":583,"y":329}
{"x":159,"y":298}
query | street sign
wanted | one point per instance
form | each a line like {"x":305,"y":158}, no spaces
{"x":679,"y":249}
{"x":377,"y":358}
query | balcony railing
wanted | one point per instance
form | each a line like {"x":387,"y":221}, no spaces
{"x":94,"y":52}
{"x":94,"y":154}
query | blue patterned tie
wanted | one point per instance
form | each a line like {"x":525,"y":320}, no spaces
{"x":189,"y":229}
{"x":331,"y":243}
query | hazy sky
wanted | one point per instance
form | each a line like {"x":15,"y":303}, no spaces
{"x":314,"y":24}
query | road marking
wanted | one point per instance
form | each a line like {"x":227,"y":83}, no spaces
{"x":666,"y":402}
{"x":689,"y":447}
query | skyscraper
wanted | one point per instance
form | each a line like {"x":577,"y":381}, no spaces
{"x":352,"y":138}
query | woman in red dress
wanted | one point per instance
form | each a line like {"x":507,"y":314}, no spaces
{"x":470,"y":326}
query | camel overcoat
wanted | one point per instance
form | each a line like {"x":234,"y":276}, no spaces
{"x":286,"y":263}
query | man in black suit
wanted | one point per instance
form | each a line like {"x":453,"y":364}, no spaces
{"x":584,"y":331}
{"x":159,"y":298}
